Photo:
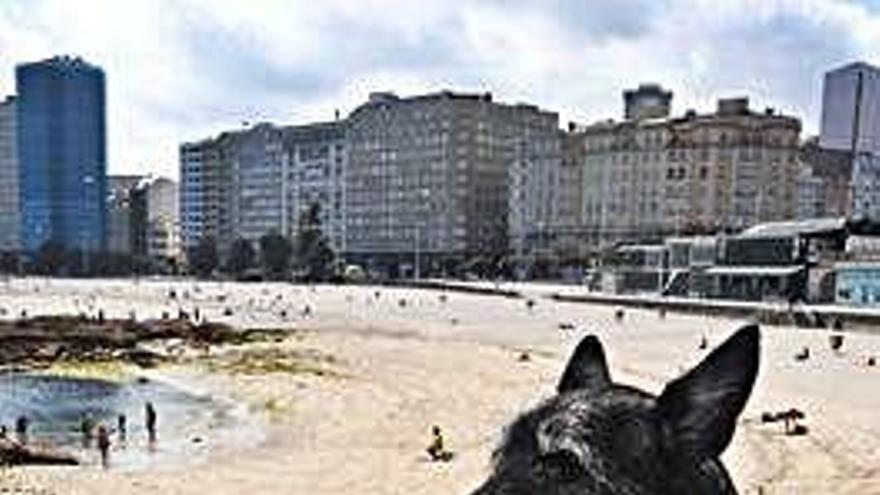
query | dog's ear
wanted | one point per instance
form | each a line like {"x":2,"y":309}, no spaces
{"x":587,"y":369}
{"x":702,"y":406}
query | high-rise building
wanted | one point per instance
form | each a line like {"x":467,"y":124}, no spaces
{"x":248,"y":183}
{"x":9,"y":170}
{"x":252,"y":167}
{"x":851,"y":123}
{"x":851,"y":109}
{"x":62,"y":152}
{"x":644,"y":179}
{"x":534,"y":165}
{"x":571,"y":240}
{"x":428,"y":178}
{"x":200,"y":192}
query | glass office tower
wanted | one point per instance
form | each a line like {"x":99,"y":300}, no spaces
{"x":62,"y":153}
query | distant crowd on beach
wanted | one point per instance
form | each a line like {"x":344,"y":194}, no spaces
{"x":93,"y":432}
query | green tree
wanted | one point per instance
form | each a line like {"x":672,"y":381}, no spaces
{"x":203,"y":258}
{"x":241,"y":257}
{"x":275,"y":253}
{"x":313,"y":252}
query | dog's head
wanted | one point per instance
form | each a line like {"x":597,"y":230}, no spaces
{"x":597,"y":437}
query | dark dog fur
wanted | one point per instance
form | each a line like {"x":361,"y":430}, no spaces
{"x":600,"y":438}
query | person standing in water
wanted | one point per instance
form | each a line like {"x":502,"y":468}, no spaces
{"x":21,"y":429}
{"x":85,"y":427}
{"x":122,"y":427}
{"x":104,"y":445}
{"x":150,"y":413}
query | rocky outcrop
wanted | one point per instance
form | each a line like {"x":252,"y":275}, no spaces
{"x":16,"y":454}
{"x":41,"y":341}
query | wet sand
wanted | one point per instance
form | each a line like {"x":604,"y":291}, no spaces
{"x":361,"y":426}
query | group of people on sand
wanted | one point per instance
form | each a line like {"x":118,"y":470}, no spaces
{"x":90,"y":430}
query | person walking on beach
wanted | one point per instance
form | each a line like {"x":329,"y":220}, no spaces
{"x":150,"y":413}
{"x":104,"y":445}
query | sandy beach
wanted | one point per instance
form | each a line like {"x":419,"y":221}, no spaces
{"x":384,"y":365}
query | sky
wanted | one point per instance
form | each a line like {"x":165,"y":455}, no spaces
{"x":183,"y":70}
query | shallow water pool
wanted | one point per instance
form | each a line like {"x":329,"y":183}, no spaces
{"x":189,"y":424}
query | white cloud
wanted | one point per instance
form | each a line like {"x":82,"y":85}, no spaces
{"x":182,"y":70}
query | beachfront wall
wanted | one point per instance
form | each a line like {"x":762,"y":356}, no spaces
{"x":858,"y":284}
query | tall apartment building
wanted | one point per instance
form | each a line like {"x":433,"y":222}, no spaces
{"x":644,"y":179}
{"x":316,"y":175}
{"x":570,"y":240}
{"x":9,"y":170}
{"x":62,"y":153}
{"x":851,"y":123}
{"x":428,"y":177}
{"x":199,"y":192}
{"x":248,"y":183}
{"x":534,"y":175}
{"x":253,"y":164}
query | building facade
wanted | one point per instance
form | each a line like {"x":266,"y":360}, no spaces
{"x":429,"y":177}
{"x":851,"y":123}
{"x":199,"y":192}
{"x":647,"y":179}
{"x":62,"y":152}
{"x":851,"y":109}
{"x":810,"y":193}
{"x":142,"y":219}
{"x":534,"y":178}
{"x":120,"y":229}
{"x":9,"y":193}
{"x":163,"y":240}
{"x":252,"y":169}
{"x":316,"y":176}
{"x":826,"y":176}
{"x":571,"y":243}
{"x":248,"y":183}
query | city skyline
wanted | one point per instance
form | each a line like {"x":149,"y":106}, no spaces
{"x":210,"y":67}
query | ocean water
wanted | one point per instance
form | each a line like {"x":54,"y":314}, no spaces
{"x":189,"y":427}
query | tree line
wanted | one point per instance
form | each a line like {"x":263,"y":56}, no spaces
{"x":275,"y":257}
{"x":310,"y":257}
